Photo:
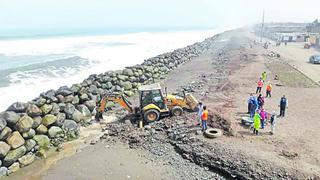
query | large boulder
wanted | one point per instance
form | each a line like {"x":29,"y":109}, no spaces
{"x":14,"y":168}
{"x":3,"y":123}
{"x":127,"y":85}
{"x":24,"y":124}
{"x":84,"y":97}
{"x":42,"y":129}
{"x":29,"y":134}
{"x":77,"y":116}
{"x":64,"y":91}
{"x":69,"y":99}
{"x":34,"y":111}
{"x":55,"y":131}
{"x":55,"y":109}
{"x":127,"y":72}
{"x":36,"y":121}
{"x":90,"y":104}
{"x":27,"y":159}
{"x":18,"y":107}
{"x":60,"y":119}
{"x":3,"y":171}
{"x":42,"y":140}
{"x":71,"y":128}
{"x":46,"y":108}
{"x":49,"y":95}
{"x":75,"y":100}
{"x":15,"y":140}
{"x":69,"y":109}
{"x":49,"y":119}
{"x":93,"y":89}
{"x":5,"y":133}
{"x":11,"y":117}
{"x":86,"y":114}
{"x":4,"y":149}
{"x":14,"y":155}
{"x":30,"y":144}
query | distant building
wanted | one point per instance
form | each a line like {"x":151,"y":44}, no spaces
{"x":313,"y":30}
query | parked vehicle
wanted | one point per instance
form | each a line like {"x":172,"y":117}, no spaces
{"x":315,"y":59}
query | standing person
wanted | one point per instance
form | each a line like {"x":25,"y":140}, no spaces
{"x":204,"y":118}
{"x":256,"y":123}
{"x":283,"y":105}
{"x":251,"y":102}
{"x":200,"y":110}
{"x":260,"y":101}
{"x":268,"y":90}
{"x":259,"y":86}
{"x":273,"y":120}
{"x":264,"y":76}
{"x":263,"y":117}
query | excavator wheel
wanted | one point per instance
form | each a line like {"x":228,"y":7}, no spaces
{"x":151,"y":115}
{"x":177,"y":111}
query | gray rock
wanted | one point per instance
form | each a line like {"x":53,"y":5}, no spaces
{"x":42,"y":129}
{"x":55,"y":109}
{"x":30,"y":144}
{"x":93,"y":89}
{"x":29,"y":134}
{"x":69,"y":99}
{"x":15,"y":140}
{"x":71,"y":128}
{"x":60,"y":98}
{"x":4,"y":149}
{"x":42,"y":140}
{"x":64,"y":91}
{"x":33,"y":110}
{"x":24,"y":124}
{"x":14,"y":168}
{"x":75,"y":100}
{"x":36,"y":121}
{"x":27,"y":159}
{"x":127,"y":72}
{"x":5,"y":133}
{"x":18,"y":107}
{"x":60,"y":119}
{"x":3,"y":171}
{"x":84,"y":97}
{"x":84,"y":110}
{"x":11,"y":117}
{"x":77,"y":116}
{"x":122,"y":77}
{"x":90,"y":104}
{"x":75,"y":88}
{"x":14,"y":155}
{"x":69,"y":109}
{"x":49,"y":119}
{"x":3,"y":123}
{"x":49,"y":94}
{"x":55,"y":131}
{"x":62,"y":106}
{"x":40,"y":101}
{"x":46,"y":108}
{"x":127,"y":85}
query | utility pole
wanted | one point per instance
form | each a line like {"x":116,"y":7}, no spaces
{"x":262,"y":26}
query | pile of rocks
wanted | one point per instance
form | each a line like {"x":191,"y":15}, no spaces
{"x":28,"y":129}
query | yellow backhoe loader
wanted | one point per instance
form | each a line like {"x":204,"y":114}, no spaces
{"x":153,"y":104}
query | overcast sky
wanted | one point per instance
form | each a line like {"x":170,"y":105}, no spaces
{"x":36,"y":14}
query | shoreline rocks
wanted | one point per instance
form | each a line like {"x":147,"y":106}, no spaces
{"x":26,"y":129}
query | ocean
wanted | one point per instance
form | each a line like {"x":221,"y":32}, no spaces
{"x":32,"y":64}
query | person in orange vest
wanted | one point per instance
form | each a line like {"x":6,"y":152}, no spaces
{"x":259,"y":86}
{"x":204,"y":118}
{"x":268,"y":90}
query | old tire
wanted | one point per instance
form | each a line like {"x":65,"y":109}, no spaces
{"x":151,"y":115}
{"x":213,"y":133}
{"x":176,"y":111}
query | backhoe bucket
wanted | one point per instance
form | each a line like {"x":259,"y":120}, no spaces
{"x":191,"y":101}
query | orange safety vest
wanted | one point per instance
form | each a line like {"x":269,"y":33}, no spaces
{"x":260,"y":83}
{"x":269,"y":87}
{"x":204,"y":115}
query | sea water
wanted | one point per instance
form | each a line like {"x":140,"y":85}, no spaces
{"x":30,"y":65}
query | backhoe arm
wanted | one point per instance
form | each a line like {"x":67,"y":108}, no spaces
{"x":120,"y":99}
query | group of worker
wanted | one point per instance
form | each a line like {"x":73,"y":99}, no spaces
{"x":257,"y":112}
{"x":203,"y":116}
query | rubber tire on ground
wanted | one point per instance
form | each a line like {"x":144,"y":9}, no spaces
{"x":177,"y":111}
{"x":151,"y":111}
{"x":213,"y":133}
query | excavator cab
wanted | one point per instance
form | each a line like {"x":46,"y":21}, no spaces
{"x":152,"y":102}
